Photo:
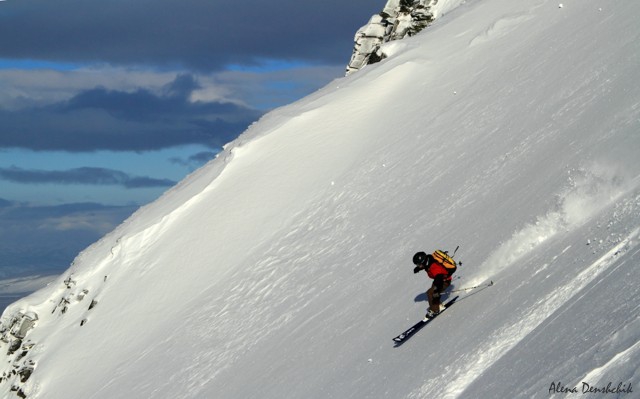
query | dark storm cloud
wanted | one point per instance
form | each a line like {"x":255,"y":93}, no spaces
{"x":201,"y":34}
{"x":202,"y":157}
{"x":45,"y":239}
{"x":101,"y":119}
{"x":86,"y":175}
{"x":195,"y":160}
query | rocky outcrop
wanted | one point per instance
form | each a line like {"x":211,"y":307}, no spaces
{"x":16,"y":325}
{"x":398,"y":19}
{"x":13,"y":331}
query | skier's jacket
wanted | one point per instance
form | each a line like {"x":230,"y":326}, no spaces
{"x":436,"y":269}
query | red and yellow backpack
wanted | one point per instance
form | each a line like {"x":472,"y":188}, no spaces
{"x":445,"y":260}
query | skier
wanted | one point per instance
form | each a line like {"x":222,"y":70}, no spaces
{"x":441,"y":276}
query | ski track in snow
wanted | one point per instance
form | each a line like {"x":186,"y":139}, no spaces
{"x":617,"y":367}
{"x":624,"y":358}
{"x":473,"y":365}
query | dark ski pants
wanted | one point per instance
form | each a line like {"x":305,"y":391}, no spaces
{"x":440,"y":283}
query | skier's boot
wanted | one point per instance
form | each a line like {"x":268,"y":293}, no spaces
{"x":431,"y":314}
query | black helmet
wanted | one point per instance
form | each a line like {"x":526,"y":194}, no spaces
{"x":420,"y":258}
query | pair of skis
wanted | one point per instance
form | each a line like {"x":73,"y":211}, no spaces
{"x":419,"y":325}
{"x":400,"y":339}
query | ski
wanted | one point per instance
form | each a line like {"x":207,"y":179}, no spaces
{"x":419,"y":325}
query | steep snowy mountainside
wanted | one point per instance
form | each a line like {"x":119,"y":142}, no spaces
{"x":282,"y":269}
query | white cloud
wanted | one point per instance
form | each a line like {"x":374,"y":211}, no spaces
{"x":252,"y":88}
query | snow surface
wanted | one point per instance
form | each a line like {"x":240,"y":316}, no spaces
{"x":282,"y":269}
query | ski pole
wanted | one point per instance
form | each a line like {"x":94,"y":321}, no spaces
{"x":454,"y":252}
{"x":471,"y":288}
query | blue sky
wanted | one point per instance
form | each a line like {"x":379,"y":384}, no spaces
{"x":105,"y":105}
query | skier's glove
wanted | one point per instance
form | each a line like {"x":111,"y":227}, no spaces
{"x":416,"y":269}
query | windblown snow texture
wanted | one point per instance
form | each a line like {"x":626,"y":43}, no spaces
{"x":282,"y":268}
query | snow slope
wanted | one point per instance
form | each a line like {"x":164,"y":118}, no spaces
{"x":282,"y":269}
